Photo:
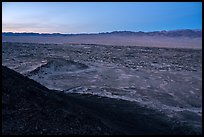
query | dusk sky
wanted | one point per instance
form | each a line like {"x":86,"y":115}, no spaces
{"x":94,"y":17}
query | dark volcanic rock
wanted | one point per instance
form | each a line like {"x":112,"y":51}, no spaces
{"x":30,"y":108}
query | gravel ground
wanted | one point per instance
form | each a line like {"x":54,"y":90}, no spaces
{"x":168,"y":80}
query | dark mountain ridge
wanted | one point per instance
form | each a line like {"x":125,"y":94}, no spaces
{"x":173,"y":33}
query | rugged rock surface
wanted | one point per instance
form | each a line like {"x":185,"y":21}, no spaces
{"x":30,"y":108}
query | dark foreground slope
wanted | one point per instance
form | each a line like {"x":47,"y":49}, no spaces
{"x":30,"y":108}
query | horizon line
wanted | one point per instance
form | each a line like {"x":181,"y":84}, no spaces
{"x":103,"y":31}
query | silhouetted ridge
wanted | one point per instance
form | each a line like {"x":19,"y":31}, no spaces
{"x":174,"y":33}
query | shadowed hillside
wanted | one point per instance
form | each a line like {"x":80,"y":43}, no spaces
{"x":30,"y":108}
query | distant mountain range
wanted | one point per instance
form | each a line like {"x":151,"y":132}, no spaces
{"x":173,"y":33}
